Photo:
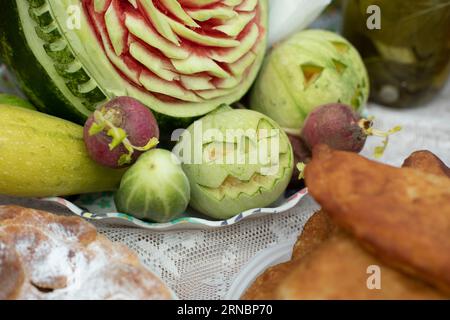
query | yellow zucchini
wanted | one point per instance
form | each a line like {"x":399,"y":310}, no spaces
{"x":42,"y":156}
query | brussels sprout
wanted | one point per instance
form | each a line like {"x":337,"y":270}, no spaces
{"x":312,"y":68}
{"x":155,"y":188}
{"x":235,"y":160}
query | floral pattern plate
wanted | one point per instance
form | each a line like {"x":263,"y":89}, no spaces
{"x":101,"y":207}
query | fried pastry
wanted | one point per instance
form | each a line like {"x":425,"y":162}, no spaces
{"x":329,"y":264}
{"x":316,"y":230}
{"x":45,"y":256}
{"x":428,"y":162}
{"x":264,"y":287}
{"x":341,"y":269}
{"x":400,"y":215}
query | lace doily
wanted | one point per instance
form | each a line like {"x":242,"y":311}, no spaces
{"x":200,"y":264}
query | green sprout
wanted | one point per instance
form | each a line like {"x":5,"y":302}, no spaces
{"x":367,"y":126}
{"x":119,"y":137}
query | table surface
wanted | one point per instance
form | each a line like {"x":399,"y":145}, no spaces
{"x":202,"y":264}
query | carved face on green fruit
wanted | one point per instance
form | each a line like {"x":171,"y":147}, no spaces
{"x":182,"y":58}
{"x":235,"y":160}
{"x":312,"y":68}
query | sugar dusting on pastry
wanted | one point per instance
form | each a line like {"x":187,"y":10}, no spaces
{"x":65,"y":258}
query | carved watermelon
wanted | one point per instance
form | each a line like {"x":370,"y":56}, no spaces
{"x":182,"y":58}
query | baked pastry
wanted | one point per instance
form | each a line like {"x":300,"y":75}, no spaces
{"x":46,"y":256}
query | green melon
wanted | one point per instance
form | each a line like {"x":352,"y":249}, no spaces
{"x":311,"y":68}
{"x":182,"y":59}
{"x":235,"y":160}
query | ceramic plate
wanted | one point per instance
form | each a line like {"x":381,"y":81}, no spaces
{"x":267,"y":258}
{"x":101,"y":207}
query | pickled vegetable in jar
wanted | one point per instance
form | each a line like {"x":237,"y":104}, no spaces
{"x":405,"y":46}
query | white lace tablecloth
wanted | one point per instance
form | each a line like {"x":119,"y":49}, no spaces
{"x":425,"y":127}
{"x":203,"y":264}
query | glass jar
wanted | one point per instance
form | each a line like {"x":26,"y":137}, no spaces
{"x":405,"y":46}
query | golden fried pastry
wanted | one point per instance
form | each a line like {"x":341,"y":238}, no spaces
{"x":316,"y":230}
{"x":330,"y":264}
{"x":341,"y":269}
{"x":428,"y":162}
{"x":264,"y":287}
{"x":401,"y":215}
{"x":344,"y":261}
{"x":45,"y":256}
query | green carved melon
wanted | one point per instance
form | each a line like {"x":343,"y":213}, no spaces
{"x":311,"y":68}
{"x":235,"y":161}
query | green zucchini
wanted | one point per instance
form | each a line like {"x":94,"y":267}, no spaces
{"x":44,"y":156}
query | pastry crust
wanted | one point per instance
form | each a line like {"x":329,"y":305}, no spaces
{"x":316,"y":230}
{"x":428,"y":162}
{"x":46,"y":256}
{"x":330,"y":263}
{"x":401,"y":215}
{"x":340,"y":268}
